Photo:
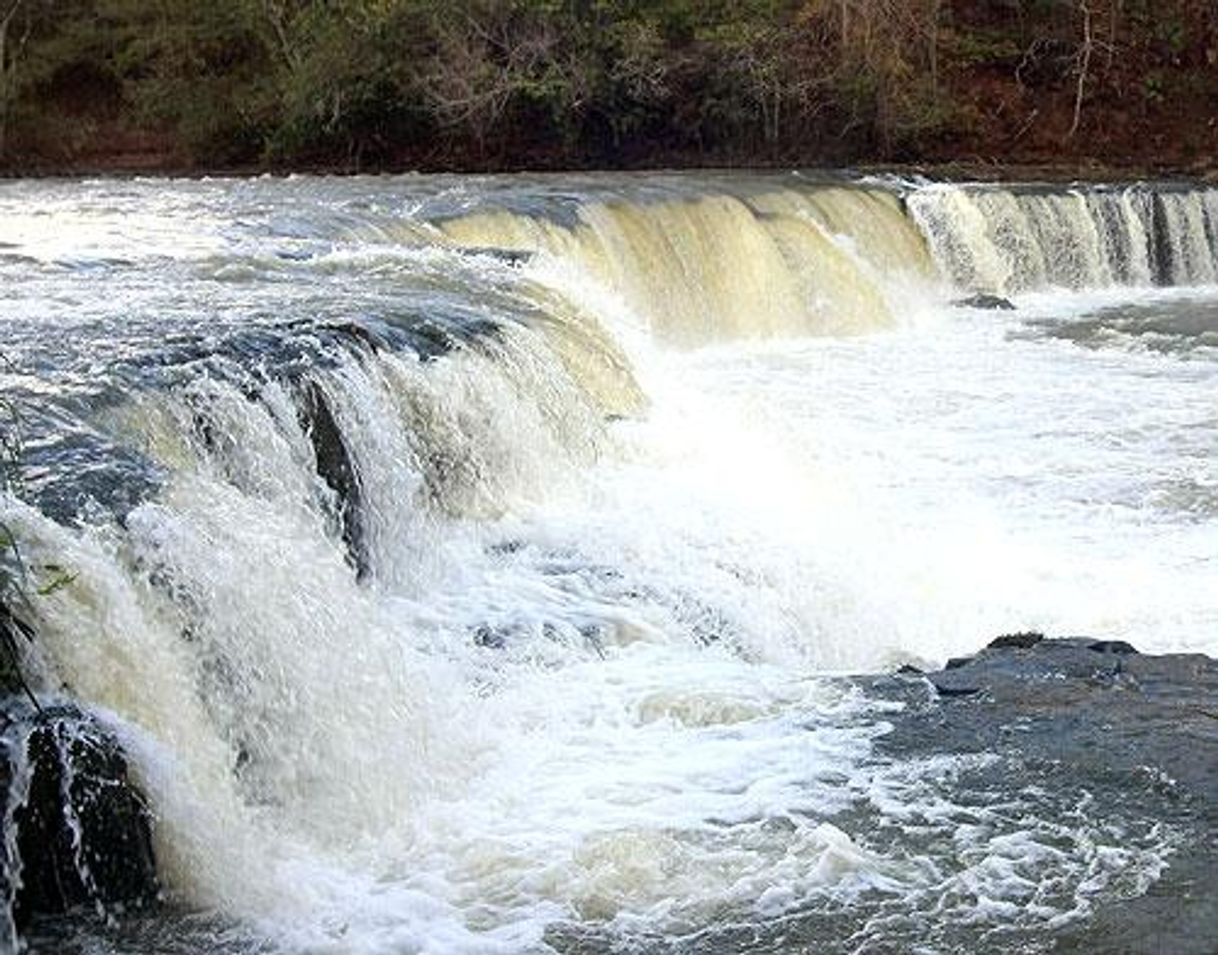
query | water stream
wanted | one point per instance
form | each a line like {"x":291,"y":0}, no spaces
{"x":466,"y":563}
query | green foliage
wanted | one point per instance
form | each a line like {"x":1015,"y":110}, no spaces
{"x":14,"y":603}
{"x":1172,"y":33}
{"x":199,"y":68}
{"x":1153,"y":86}
{"x":500,"y":83}
{"x":988,"y":47}
{"x":58,"y":579}
{"x":285,"y":80}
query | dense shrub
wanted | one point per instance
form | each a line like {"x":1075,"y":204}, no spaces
{"x":499,"y":83}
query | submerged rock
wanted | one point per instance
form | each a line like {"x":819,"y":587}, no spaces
{"x":76,"y":830}
{"x":511,"y":257}
{"x":985,"y":300}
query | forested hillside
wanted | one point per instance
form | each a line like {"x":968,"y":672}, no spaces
{"x":468,"y":84}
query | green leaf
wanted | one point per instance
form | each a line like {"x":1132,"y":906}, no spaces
{"x":61,"y":579}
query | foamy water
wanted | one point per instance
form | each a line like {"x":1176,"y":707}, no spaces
{"x":584,"y":697}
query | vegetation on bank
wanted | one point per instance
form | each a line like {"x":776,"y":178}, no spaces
{"x":563,"y":83}
{"x":15,"y":629}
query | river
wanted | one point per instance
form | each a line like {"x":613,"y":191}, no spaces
{"x":468,"y":564}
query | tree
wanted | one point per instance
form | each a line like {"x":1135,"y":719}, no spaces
{"x":887,"y":63}
{"x":1082,"y":64}
{"x":14,"y":35}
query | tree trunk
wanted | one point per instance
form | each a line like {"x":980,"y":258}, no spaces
{"x":1083,"y":59}
{"x":933,"y":45}
{"x":3,"y":83}
{"x":8,"y":68}
{"x":276,"y":15}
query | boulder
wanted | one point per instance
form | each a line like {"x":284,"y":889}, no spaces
{"x":77,"y":832}
{"x":985,"y":300}
{"x":1086,"y":723}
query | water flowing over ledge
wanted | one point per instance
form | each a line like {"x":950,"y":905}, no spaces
{"x":472,"y":554}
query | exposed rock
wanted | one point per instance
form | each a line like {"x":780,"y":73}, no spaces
{"x":512,"y":545}
{"x":1023,"y":641}
{"x":336,"y":467}
{"x":358,"y":333}
{"x":1111,"y":646}
{"x":81,"y":831}
{"x":495,"y":638}
{"x":985,"y":300}
{"x":1095,"y":724}
{"x":1162,"y":254}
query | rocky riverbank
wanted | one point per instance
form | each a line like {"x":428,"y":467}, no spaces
{"x":1102,"y":729}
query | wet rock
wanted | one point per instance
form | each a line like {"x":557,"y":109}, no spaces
{"x":512,"y":257}
{"x":1089,"y":723}
{"x":1022,"y":641}
{"x":494,"y":638}
{"x":14,"y":634}
{"x":357,"y":333}
{"x":984,"y":300}
{"x":293,"y":255}
{"x":1111,"y":646}
{"x":1162,"y":253}
{"x":957,"y":690}
{"x":78,"y":831}
{"x":336,"y":467}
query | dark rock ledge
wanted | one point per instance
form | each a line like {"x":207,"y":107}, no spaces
{"x":77,"y":834}
{"x":1132,"y":734}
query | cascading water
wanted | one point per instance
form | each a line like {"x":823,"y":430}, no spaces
{"x":813,"y":260}
{"x":1005,"y":240}
{"x":461,"y":562}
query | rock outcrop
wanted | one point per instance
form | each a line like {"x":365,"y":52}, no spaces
{"x":985,"y":300}
{"x":1100,"y":725}
{"x":76,"y":832}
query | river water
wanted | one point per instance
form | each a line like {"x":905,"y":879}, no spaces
{"x":467,"y":563}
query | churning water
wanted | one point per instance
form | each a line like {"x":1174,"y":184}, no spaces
{"x":465,"y":562}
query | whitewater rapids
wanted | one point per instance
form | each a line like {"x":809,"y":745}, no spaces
{"x":533,"y":645}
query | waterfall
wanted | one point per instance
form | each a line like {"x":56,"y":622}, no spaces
{"x":719,"y":267}
{"x":367,"y":506}
{"x":1011,"y":239}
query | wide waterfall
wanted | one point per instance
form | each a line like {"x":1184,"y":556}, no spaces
{"x":469,"y":565}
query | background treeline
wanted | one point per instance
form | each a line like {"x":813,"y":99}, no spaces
{"x":549,"y":83}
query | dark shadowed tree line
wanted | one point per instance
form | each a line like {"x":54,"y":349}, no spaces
{"x":509,"y":83}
